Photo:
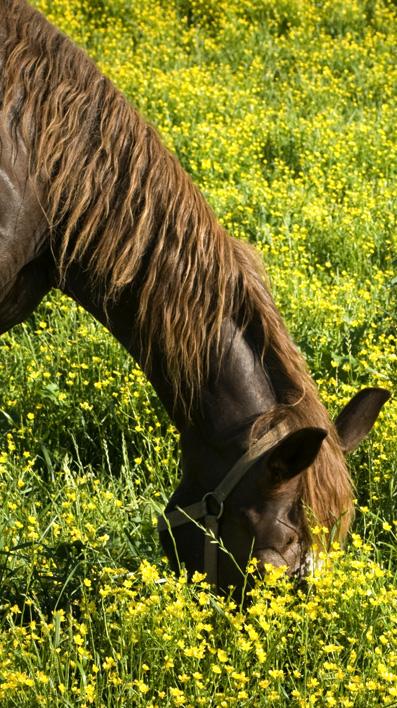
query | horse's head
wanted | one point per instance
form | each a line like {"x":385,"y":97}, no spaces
{"x":264,"y":514}
{"x":251,"y":504}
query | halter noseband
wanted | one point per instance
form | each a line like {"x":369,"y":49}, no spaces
{"x":210,"y":507}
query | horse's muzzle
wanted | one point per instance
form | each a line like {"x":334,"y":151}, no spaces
{"x":291,"y":559}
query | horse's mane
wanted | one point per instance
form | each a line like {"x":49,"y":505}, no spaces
{"x":127,"y":210}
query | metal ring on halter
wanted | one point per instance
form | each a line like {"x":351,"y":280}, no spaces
{"x":219,"y":503}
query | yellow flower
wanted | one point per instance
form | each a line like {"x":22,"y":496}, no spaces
{"x":178,"y":696}
{"x":222,"y":655}
{"x":276,"y":673}
{"x":141,"y":686}
{"x":90,"y":692}
{"x":42,"y":677}
{"x":328,"y":648}
{"x":108,"y":663}
{"x":148,"y":573}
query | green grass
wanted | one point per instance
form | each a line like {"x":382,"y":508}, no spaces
{"x":284,"y":114}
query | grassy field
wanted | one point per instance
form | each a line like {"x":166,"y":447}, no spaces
{"x":284,"y":112}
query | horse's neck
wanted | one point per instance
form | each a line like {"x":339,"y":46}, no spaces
{"x":238,"y":390}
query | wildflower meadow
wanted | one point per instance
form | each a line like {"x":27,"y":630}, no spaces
{"x":284,"y":113}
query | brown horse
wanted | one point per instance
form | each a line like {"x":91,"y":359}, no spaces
{"x":92,"y":203}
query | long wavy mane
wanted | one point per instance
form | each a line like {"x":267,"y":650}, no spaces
{"x":125,"y":207}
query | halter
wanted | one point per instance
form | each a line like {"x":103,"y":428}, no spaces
{"x":210,"y":507}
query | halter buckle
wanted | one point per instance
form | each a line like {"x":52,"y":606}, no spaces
{"x":218,"y":511}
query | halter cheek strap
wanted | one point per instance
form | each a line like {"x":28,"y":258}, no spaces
{"x":210,"y":507}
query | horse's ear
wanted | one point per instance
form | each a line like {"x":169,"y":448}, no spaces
{"x":295,"y":452}
{"x":357,"y":418}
